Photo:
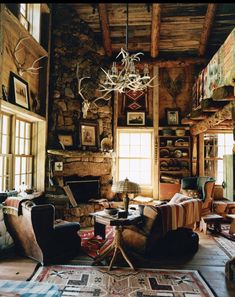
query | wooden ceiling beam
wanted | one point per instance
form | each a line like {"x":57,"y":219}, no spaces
{"x":211,"y":122}
{"x":104,"y":21}
{"x":155,"y":31}
{"x":207,"y":26}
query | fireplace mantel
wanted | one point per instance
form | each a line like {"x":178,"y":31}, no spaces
{"x":79,"y":154}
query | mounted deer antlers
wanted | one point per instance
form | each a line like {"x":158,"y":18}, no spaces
{"x":21,"y":64}
{"x":86,"y":104}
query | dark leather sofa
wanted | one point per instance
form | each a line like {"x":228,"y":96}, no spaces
{"x":37,"y":235}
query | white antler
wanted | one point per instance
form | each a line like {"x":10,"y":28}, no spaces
{"x":86,"y":104}
{"x":21,"y":64}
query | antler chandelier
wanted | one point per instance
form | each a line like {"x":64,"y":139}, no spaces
{"x":129,"y":77}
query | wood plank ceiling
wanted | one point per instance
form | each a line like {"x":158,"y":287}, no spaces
{"x":162,"y":31}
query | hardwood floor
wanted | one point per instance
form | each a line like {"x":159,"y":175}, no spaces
{"x":209,"y":260}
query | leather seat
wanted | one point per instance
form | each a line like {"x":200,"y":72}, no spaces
{"x":201,"y":187}
{"x":37,"y":235}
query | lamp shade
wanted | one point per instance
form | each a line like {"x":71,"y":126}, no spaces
{"x":126,"y":186}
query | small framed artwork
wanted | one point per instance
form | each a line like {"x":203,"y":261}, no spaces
{"x":19,"y":91}
{"x":173,"y":116}
{"x":89,"y":135}
{"x":135,"y":118}
{"x":66,"y":139}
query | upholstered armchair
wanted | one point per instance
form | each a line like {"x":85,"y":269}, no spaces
{"x":37,"y":235}
{"x":201,"y":187}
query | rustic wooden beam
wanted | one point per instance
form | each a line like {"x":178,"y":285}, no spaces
{"x":155,"y":31}
{"x":223,"y":114}
{"x":169,"y":63}
{"x":103,"y":13}
{"x":207,"y":26}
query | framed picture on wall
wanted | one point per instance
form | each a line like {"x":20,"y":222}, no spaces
{"x":66,"y":139}
{"x":89,"y":135}
{"x":135,"y":118}
{"x":173,"y":116}
{"x":19,"y":91}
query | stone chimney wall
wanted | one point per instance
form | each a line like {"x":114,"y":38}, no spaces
{"x":73,"y":42}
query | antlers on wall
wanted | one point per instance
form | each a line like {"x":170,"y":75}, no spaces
{"x":86,"y":104}
{"x":21,"y":65}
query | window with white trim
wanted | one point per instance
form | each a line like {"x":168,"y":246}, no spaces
{"x":215,"y":146}
{"x":29,"y":17}
{"x":5,"y":156}
{"x":16,"y":158}
{"x":23,"y":158}
{"x":135,"y":156}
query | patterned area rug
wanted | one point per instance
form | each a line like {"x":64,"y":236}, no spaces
{"x":225,"y":242}
{"x":228,"y":246}
{"x":98,"y":281}
{"x":94,"y":245}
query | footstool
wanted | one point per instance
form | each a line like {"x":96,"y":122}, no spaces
{"x":211,"y":222}
{"x":231,"y":217}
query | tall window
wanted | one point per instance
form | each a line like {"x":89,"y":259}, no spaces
{"x":23,"y":156}
{"x":30,"y":18}
{"x":215,"y":147}
{"x":5,"y":156}
{"x":134,"y":156}
{"x":16,"y":159}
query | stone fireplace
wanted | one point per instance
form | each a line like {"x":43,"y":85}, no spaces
{"x":89,"y":176}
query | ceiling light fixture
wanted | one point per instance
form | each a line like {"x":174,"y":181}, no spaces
{"x":128,"y":78}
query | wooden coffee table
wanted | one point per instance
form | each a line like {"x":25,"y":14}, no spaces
{"x":101,"y":220}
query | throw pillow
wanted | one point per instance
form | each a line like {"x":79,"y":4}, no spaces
{"x":190,"y":193}
{"x":178,"y":198}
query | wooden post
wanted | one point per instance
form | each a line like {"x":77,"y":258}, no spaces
{"x":156,"y":177}
{"x":194,"y":155}
{"x":155,"y":33}
{"x":105,"y":29}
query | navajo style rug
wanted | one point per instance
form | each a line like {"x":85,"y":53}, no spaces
{"x":98,"y":281}
{"x":93,"y":245}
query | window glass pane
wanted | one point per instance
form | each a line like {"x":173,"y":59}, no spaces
{"x":27,"y":147}
{"x":22,"y":129}
{"x":4,"y":144}
{"x":17,"y":127}
{"x":17,"y":165}
{"x":17,"y":182}
{"x":5,"y":125}
{"x":17,"y":140}
{"x":124,"y":151}
{"x":23,"y":165}
{"x":124,"y":139}
{"x":135,"y":138}
{"x":135,"y":151}
{"x":28,"y":130}
{"x":21,"y":146}
{"x":30,"y":164}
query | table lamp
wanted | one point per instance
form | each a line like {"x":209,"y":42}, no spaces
{"x":126,"y":187}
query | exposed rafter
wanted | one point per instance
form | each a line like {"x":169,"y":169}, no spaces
{"x":155,"y":32}
{"x":104,"y":21}
{"x":207,"y":26}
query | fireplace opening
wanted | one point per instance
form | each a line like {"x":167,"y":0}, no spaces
{"x":83,"y":188}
